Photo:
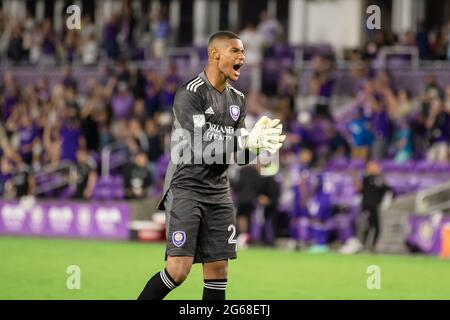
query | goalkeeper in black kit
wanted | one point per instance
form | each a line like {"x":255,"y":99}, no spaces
{"x":208,"y":134}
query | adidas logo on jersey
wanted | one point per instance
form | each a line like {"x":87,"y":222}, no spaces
{"x":209,"y":111}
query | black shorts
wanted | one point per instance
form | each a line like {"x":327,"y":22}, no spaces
{"x":205,"y":231}
{"x":245,"y":209}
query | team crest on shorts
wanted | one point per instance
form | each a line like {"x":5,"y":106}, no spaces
{"x":179,"y":238}
{"x":235,"y":111}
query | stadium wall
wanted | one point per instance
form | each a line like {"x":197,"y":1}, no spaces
{"x":336,"y":22}
{"x":72,"y":219}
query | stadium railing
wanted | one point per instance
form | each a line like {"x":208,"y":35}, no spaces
{"x":399,"y":51}
{"x":46,"y":181}
{"x":433,"y":199}
{"x":108,"y":152}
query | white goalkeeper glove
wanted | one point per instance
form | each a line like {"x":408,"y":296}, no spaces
{"x":266,"y":135}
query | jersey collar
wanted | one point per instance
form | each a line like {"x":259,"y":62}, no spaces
{"x":202,"y":75}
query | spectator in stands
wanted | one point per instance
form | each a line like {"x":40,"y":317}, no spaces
{"x":126,"y":25}
{"x":407,"y":39}
{"x":89,"y":125}
{"x":88,"y":26}
{"x":442,"y":43}
{"x":86,"y":175}
{"x":322,"y":86}
{"x":122,"y":102}
{"x":123,"y":71}
{"x":43,"y":89}
{"x":48,"y":45}
{"x":447,"y":98}
{"x":246,"y":185}
{"x":35,"y":44}
{"x":155,"y":145}
{"x":137,"y":139}
{"x":447,"y":35}
{"x":22,"y":181}
{"x":373,"y":189}
{"x":287,"y":90}
{"x":152,"y":92}
{"x":90,"y":50}
{"x":438,"y":124}
{"x":16,"y":49}
{"x":270,"y":28}
{"x":137,"y":177}
{"x":254,"y":40}
{"x":299,"y":224}
{"x":339,"y":147}
{"x":403,"y":141}
{"x":422,"y":41}
{"x":382,"y":130}
{"x":433,"y":45}
{"x":300,"y":173}
{"x":169,"y":87}
{"x":68,"y":79}
{"x":305,"y":160}
{"x":70,"y":48}
{"x":431,"y":92}
{"x":71,"y":105}
{"x":51,"y":142}
{"x":71,"y":139}
{"x":137,"y":82}
{"x":300,"y":133}
{"x":320,"y":211}
{"x":110,"y":33}
{"x":361,"y":135}
{"x":269,"y":194}
{"x":10,"y":95}
{"x":402,"y":105}
{"x":5,"y":176}
{"x":139,"y":111}
{"x":28,"y":136}
{"x":161,"y":33}
{"x":370,"y":51}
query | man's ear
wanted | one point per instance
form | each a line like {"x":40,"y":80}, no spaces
{"x":215,"y":54}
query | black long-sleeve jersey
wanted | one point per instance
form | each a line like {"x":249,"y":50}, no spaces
{"x":208,"y":129}
{"x":373,"y":190}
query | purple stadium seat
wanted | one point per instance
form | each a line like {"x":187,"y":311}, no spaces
{"x":440,"y":167}
{"x":105,"y":180}
{"x":67,"y":193}
{"x":407,"y":166}
{"x":118,"y":181}
{"x":423,"y":166}
{"x":118,"y":193}
{"x":338,"y":164}
{"x":388,"y":165}
{"x":356,"y":164}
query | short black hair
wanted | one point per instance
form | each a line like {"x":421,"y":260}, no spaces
{"x":220,"y":35}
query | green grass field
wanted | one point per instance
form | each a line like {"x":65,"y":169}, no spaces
{"x":35,"y":268}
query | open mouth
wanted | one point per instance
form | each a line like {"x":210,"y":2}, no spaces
{"x":236,"y":67}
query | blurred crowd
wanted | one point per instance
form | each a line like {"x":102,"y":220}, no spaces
{"x":121,"y":36}
{"x":138,"y":34}
{"x":43,"y":126}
